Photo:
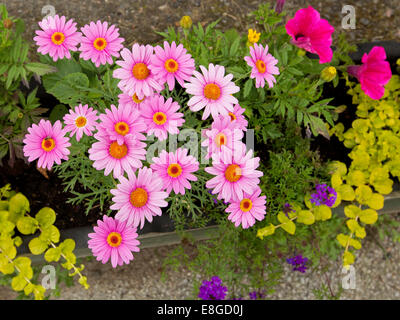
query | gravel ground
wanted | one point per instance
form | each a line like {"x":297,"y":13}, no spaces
{"x":138,"y":19}
{"x":377,"y":277}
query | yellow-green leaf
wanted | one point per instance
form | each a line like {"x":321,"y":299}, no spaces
{"x":306,"y":217}
{"x":23,"y":264}
{"x":322,"y":212}
{"x":46,"y":217}
{"x":356,"y":178}
{"x":67,"y":246}
{"x":18,"y":283}
{"x":348,"y":258}
{"x":336,"y":180}
{"x":266,"y":231}
{"x":27,"y":225}
{"x":52,"y":254}
{"x":352,"y":211}
{"x":346,"y":192}
{"x":363,"y":194}
{"x":51,"y":233}
{"x":355,"y":244}
{"x":368,"y":216}
{"x":376,"y":201}
{"x":17,"y":206}
{"x":342,"y":239}
{"x":37,"y":246}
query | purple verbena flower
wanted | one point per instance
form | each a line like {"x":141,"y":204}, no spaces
{"x":212,"y":290}
{"x":324,"y":195}
{"x":254,"y":295}
{"x":298,"y":262}
{"x":287,"y":208}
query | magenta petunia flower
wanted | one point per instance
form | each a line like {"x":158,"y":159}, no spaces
{"x":135,"y":74}
{"x":113,"y":239}
{"x":263,"y":66}
{"x":139,"y":198}
{"x":81,"y":120}
{"x":58,"y":37}
{"x":100,"y":43}
{"x":212,"y":91}
{"x":46,"y":143}
{"x":374,"y":73}
{"x":161,"y":117}
{"x":175,"y":169}
{"x":311,"y":33}
{"x":247,"y":210}
{"x":223,"y":132}
{"x":121,"y":124}
{"x":172,"y":63}
{"x":235,"y":172}
{"x":109,"y":155}
{"x":238,"y":118}
{"x":131,"y":101}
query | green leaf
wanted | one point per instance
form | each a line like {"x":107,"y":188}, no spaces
{"x":266,"y":231}
{"x":27,"y":225}
{"x":37,"y":246}
{"x":234,"y":47}
{"x":18,"y":205}
{"x":46,"y":217}
{"x":58,"y":112}
{"x":40,"y":68}
{"x":71,"y":89}
{"x":247,"y":87}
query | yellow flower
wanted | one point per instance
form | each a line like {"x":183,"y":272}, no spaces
{"x":186,"y":22}
{"x":328,"y":73}
{"x":253,"y":36}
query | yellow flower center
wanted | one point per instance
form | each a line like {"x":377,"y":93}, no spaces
{"x":171,"y":65}
{"x":136,"y":99}
{"x":139,"y":197}
{"x":117,"y":151}
{"x":48,"y":144}
{"x":140,"y":71}
{"x":159,"y":118}
{"x":212,"y":91}
{"x":174,"y":170}
{"x":232,"y":115}
{"x":261,"y":67}
{"x":100,"y":44}
{"x":233,"y":173}
{"x":121,"y":128}
{"x":58,"y":38}
{"x":80,"y":122}
{"x":220,"y":139}
{"x":114,"y":239}
{"x":246,"y":205}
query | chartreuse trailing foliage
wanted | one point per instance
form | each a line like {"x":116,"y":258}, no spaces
{"x":374,"y":138}
{"x":15,"y":219}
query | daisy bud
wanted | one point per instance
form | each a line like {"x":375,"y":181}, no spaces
{"x":279,"y":6}
{"x":186,"y":22}
{"x":328,"y":74}
{"x":8,"y":23}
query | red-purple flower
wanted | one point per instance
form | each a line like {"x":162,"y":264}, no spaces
{"x":374,"y":73}
{"x":311,"y":33}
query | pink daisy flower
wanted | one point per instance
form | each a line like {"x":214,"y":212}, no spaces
{"x":113,"y":239}
{"x":235,"y":172}
{"x":175,"y":169}
{"x":223,"y":132}
{"x":212,"y":90}
{"x":121,"y":124}
{"x":81,"y":120}
{"x":58,"y":37}
{"x":311,"y":33}
{"x":100,"y":43}
{"x":161,"y":117}
{"x":136,"y":77}
{"x":172,"y":63}
{"x":139,"y":198}
{"x":238,"y":118}
{"x":374,"y":73}
{"x":46,"y":142}
{"x":109,"y":155}
{"x":263,"y":66}
{"x":131,"y":101}
{"x":247,"y":210}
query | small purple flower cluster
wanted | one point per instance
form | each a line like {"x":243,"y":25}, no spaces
{"x":298,"y":262}
{"x":212,"y":290}
{"x":254,"y":295}
{"x":324,"y":195}
{"x":287,"y":208}
{"x":214,"y":198}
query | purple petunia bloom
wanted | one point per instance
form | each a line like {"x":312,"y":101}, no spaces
{"x":298,"y":262}
{"x":324,"y":195}
{"x":212,"y":290}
